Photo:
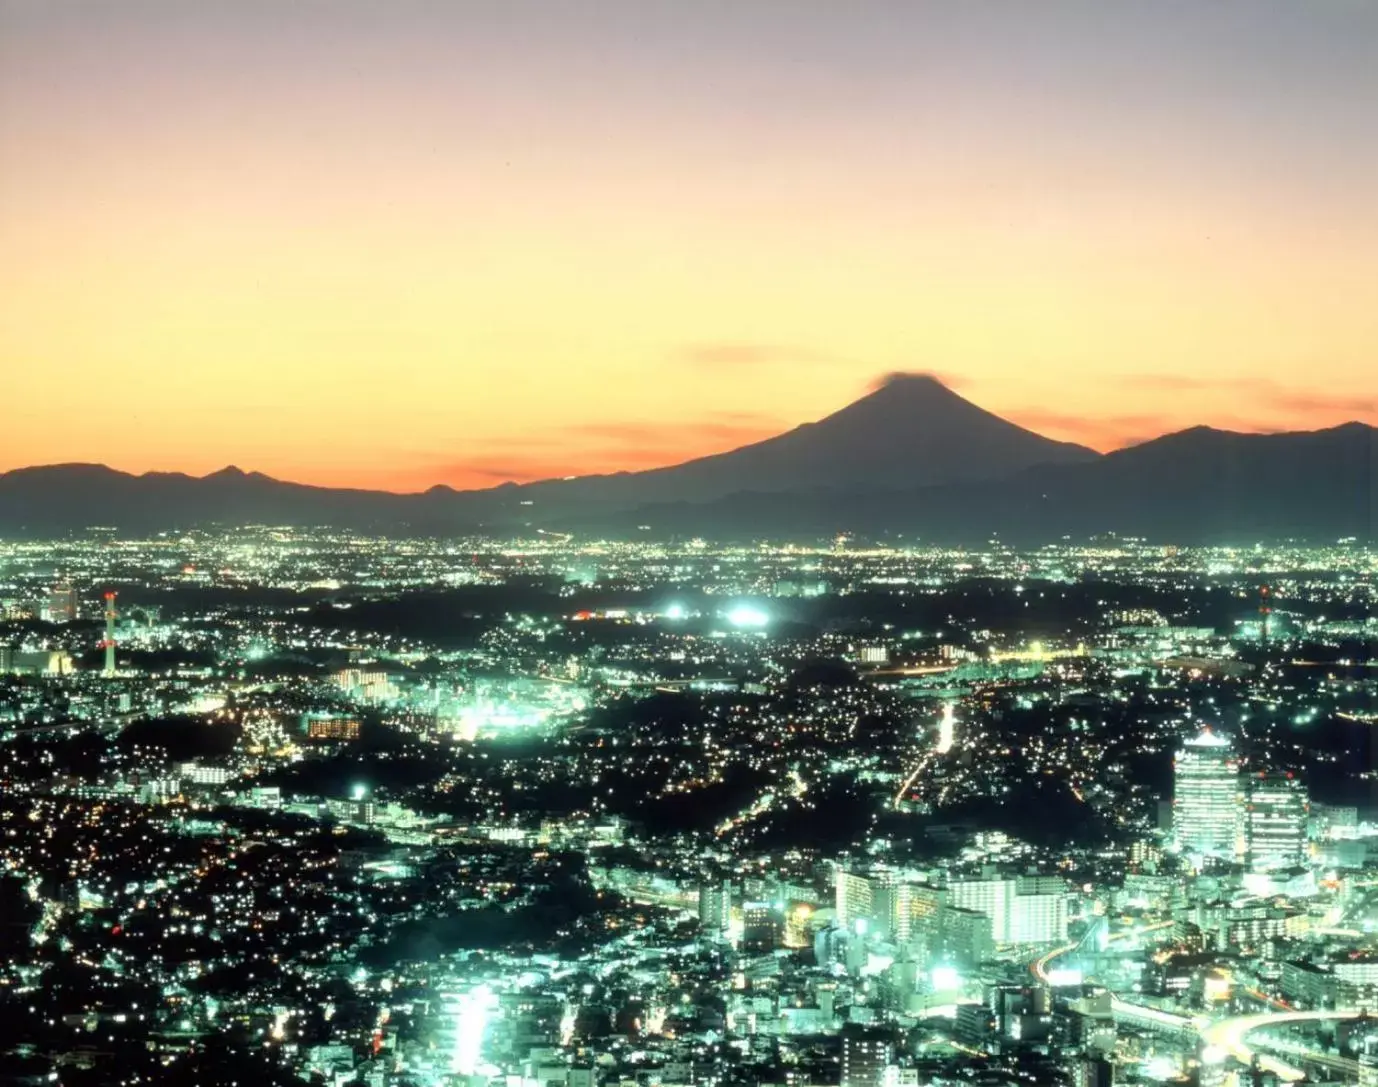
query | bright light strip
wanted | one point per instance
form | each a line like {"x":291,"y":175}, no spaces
{"x":471,"y":1012}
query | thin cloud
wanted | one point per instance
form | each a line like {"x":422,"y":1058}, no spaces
{"x":898,"y":377}
{"x":730,"y":355}
{"x":599,"y":448}
{"x":1311,"y":404}
{"x":1269,"y":395}
{"x":731,"y":427}
{"x":1170,"y":382}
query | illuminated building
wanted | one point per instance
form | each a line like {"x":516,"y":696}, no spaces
{"x":1093,"y":1072}
{"x":202,"y":774}
{"x":855,"y":898}
{"x":866,"y":1054}
{"x":1038,"y":917}
{"x":1205,"y":797}
{"x":1027,"y":910}
{"x":989,"y":897}
{"x":1276,"y":810}
{"x":797,"y":922}
{"x":62,"y":606}
{"x":332,"y":728}
{"x":965,"y":935}
{"x":715,"y":908}
{"x":914,"y":907}
{"x":370,"y":686}
{"x":763,"y":928}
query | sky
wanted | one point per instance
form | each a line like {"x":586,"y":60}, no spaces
{"x":393,"y":243}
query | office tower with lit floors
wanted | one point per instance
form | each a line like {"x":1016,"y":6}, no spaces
{"x":1276,"y":811}
{"x":866,"y":1054}
{"x":1205,"y":797}
{"x":763,"y":928}
{"x":1093,"y":1072}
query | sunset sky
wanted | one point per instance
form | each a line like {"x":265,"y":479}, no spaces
{"x":393,"y":243}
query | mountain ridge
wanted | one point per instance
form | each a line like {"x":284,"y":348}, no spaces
{"x":911,"y":455}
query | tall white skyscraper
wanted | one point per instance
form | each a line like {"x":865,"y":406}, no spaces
{"x":1276,"y":809}
{"x":855,"y":898}
{"x":1023,"y":910}
{"x":1205,"y":796}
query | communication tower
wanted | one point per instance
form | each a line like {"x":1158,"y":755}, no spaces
{"x":109,"y":643}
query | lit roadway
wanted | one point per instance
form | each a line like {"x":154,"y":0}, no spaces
{"x":946,"y":733}
{"x":1228,"y":1035}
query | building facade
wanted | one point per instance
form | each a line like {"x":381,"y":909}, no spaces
{"x":1205,"y":797}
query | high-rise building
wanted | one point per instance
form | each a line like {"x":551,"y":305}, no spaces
{"x":1205,"y":797}
{"x":866,"y":1054}
{"x":1276,"y":814}
{"x":884,"y":904}
{"x":855,"y":898}
{"x":990,"y":897}
{"x":914,"y":909}
{"x":1093,"y":1072}
{"x":62,"y":606}
{"x":964,"y":936}
{"x":1027,"y":910}
{"x":763,"y":927}
{"x":1038,"y":917}
{"x":715,"y":908}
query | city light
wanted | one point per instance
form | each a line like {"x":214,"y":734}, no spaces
{"x":624,"y":823}
{"x":944,"y":979}
{"x":747,"y":616}
{"x":470,"y":1015}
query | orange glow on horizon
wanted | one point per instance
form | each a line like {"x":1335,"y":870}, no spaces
{"x":388,"y":250}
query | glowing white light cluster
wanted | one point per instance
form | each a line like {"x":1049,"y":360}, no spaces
{"x":471,"y":1012}
{"x":747,"y":617}
{"x":946,"y":729}
{"x":945,"y":978}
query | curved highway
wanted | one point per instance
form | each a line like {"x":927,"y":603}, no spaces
{"x":1228,"y":1036}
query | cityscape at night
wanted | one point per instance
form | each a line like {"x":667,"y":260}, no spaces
{"x":327,"y":808}
{"x":688,"y":543}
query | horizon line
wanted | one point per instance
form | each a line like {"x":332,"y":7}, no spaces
{"x":235,"y":470}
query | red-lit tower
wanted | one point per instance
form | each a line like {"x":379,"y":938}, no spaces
{"x":1265,"y":609}
{"x":109,"y":644}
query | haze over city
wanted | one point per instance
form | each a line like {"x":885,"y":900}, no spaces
{"x":392,"y":245}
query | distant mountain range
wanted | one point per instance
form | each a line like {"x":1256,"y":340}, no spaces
{"x":911,"y":458}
